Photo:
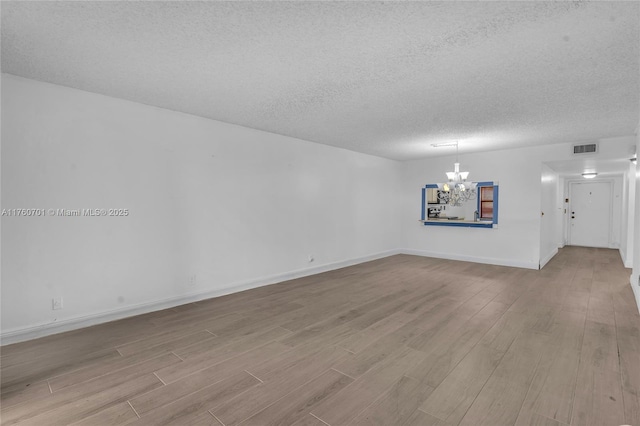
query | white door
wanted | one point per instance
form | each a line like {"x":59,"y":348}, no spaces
{"x":590,"y":215}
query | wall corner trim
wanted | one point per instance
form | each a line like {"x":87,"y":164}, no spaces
{"x":544,"y":260}
{"x":627,"y":261}
{"x":634,"y":280}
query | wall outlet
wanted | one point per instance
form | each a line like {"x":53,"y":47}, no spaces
{"x":56,"y":303}
{"x":311,"y":259}
{"x":192,"y":281}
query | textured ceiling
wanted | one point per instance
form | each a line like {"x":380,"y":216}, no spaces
{"x":387,"y":79}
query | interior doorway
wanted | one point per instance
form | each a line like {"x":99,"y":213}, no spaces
{"x":590,"y":214}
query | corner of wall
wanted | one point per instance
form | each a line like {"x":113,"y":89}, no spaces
{"x":475,"y":259}
{"x":545,"y":259}
{"x":627,"y":259}
{"x":634,"y":280}
{"x":635,"y":235}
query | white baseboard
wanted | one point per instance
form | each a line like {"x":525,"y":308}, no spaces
{"x":41,"y":330}
{"x":544,"y":260}
{"x":634,"y":280}
{"x":475,"y":259}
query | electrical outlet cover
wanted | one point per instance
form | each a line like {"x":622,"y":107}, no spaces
{"x":56,"y":303}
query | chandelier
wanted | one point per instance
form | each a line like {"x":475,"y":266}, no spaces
{"x":457,"y":190}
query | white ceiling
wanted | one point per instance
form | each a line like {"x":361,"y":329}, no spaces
{"x":384,"y":78}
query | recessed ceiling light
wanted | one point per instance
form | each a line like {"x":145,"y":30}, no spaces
{"x":589,"y":175}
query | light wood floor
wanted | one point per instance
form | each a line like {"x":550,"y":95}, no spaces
{"x":400,"y":341}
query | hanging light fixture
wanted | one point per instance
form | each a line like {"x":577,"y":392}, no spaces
{"x":457,"y":190}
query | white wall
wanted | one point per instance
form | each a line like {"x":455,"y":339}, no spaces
{"x":549,"y":232}
{"x":232,"y":206}
{"x":628,"y":215}
{"x":517,"y":241}
{"x":635,"y":274}
{"x":561,"y":214}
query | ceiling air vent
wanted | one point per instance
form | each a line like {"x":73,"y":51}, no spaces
{"x":590,"y":148}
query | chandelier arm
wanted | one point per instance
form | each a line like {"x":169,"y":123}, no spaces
{"x":456,"y":191}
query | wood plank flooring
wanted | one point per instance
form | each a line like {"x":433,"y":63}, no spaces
{"x":403,"y":340}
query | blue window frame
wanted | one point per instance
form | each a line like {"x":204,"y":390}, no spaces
{"x":491,"y":202}
{"x":492,"y":189}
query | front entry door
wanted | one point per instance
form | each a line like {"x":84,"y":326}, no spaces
{"x":590,"y":219}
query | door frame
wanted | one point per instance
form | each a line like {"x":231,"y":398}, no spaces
{"x":583,"y":181}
